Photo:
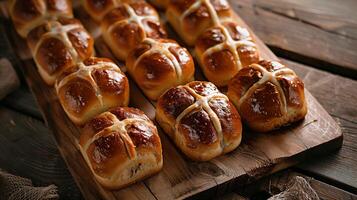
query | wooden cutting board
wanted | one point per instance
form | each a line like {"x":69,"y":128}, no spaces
{"x":257,"y":156}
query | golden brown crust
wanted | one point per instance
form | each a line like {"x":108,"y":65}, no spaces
{"x":121,"y":146}
{"x":28,"y":14}
{"x":190,"y":18}
{"x":200,"y":120}
{"x":223,"y":50}
{"x":90,"y":88}
{"x":268,"y":95}
{"x":58,"y":45}
{"x":157,"y":65}
{"x":127,"y":25}
{"x":197,"y":129}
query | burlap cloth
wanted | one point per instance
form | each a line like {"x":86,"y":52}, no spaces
{"x":18,"y":188}
{"x":297,"y":189}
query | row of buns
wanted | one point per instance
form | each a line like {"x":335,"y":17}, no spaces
{"x":120,"y":144}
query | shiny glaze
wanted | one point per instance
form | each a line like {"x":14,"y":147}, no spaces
{"x":109,"y":81}
{"x":82,"y":42}
{"x":203,"y":88}
{"x":292,"y":86}
{"x":127,"y":113}
{"x":201,"y":11}
{"x":128,"y":24}
{"x":140,"y":134}
{"x":89,"y":82}
{"x":227,"y":115}
{"x":266,"y":90}
{"x":271,"y":66}
{"x":105,"y":152}
{"x":114,"y":137}
{"x":159,"y":64}
{"x":57,"y":45}
{"x":99,"y":123}
{"x":160,"y":57}
{"x":52,"y":56}
{"x":27,"y":10}
{"x":220,"y":62}
{"x":156,"y":67}
{"x":176,"y":100}
{"x":106,"y":147}
{"x":194,"y":16}
{"x":246,"y":78}
{"x":263,"y":104}
{"x":197,"y":128}
{"x":27,"y":14}
{"x":181,"y":54}
{"x":210,"y":38}
{"x":203,"y":114}
{"x":223,"y":58}
{"x":225,"y":49}
{"x":30,"y":9}
{"x":77,"y":94}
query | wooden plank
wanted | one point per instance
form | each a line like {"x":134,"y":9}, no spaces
{"x":66,"y":135}
{"x":28,"y":149}
{"x":339,"y":96}
{"x":259,"y":154}
{"x":261,"y":162}
{"x":334,"y":166}
{"x":314,"y":32}
{"x":276,"y":183}
{"x":329,"y":15}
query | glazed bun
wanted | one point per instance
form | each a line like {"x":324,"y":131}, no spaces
{"x":201,"y":121}
{"x":121,"y":146}
{"x":28,"y":14}
{"x":268,"y":95}
{"x":127,"y":25}
{"x":190,"y":18}
{"x":224,"y":50}
{"x":157,"y":65}
{"x":58,"y":45}
{"x":90,"y":88}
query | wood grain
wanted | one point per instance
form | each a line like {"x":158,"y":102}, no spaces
{"x":339,"y":96}
{"x":320,"y":33}
{"x":259,"y":154}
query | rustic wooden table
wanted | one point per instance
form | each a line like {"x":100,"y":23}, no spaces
{"x":318,"y":39}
